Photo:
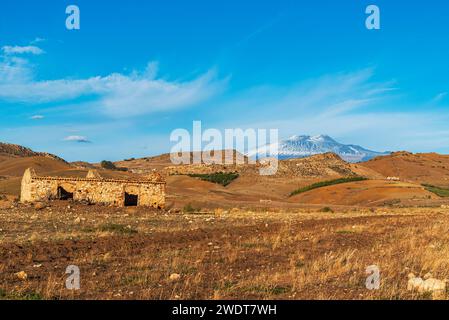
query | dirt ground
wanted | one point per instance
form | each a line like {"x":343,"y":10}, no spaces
{"x":139,"y":253}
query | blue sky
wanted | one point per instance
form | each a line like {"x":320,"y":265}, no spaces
{"x":137,"y":70}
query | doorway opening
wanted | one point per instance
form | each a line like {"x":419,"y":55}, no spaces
{"x":64,"y":194}
{"x":131,"y":200}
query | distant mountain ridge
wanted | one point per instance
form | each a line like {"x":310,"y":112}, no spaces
{"x":305,"y":146}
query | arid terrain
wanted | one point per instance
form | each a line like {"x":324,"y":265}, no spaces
{"x":252,"y":237}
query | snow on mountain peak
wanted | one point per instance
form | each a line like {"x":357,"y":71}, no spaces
{"x":299,"y":146}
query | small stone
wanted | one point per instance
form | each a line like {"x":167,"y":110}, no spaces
{"x":21,"y":275}
{"x":40,"y":206}
{"x":175,"y":277}
{"x":427,"y":276}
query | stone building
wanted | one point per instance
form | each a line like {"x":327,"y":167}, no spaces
{"x":94,"y":189}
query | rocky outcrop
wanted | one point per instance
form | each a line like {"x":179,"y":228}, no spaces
{"x":15,"y":150}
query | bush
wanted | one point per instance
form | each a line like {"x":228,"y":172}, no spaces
{"x":117,"y":228}
{"x":108,"y":165}
{"x":111,"y":166}
{"x":220,"y":177}
{"x":188,"y":208}
{"x":20,"y":295}
{"x":327,"y":209}
{"x":327,"y":183}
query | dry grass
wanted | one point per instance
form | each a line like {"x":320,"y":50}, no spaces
{"x":243,"y":254}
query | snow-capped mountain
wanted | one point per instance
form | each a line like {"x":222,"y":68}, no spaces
{"x":304,"y":146}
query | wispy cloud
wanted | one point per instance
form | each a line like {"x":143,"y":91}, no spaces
{"x":9,"y":50}
{"x":116,"y":94}
{"x":79,"y":139}
{"x":37,"y":117}
{"x":439,"y":97}
{"x":351,"y":107}
{"x":38,"y":40}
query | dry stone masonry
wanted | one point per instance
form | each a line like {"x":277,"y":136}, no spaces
{"x":94,"y":189}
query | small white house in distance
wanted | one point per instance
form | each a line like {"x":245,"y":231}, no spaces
{"x":393,"y":179}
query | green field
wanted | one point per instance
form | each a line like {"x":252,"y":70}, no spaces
{"x":441,"y":192}
{"x":326,"y":184}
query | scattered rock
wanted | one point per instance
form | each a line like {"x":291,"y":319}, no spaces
{"x":175,"y":277}
{"x":427,"y":276}
{"x":430,"y":285}
{"x":40,"y":206}
{"x":21,"y":275}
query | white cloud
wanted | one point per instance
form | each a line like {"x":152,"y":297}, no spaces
{"x":116,"y":94}
{"x":37,"y":117}
{"x":80,"y":139}
{"x":38,"y":40}
{"x":14,"y":71}
{"x":12,"y":50}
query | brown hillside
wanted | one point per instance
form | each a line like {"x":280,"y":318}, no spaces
{"x":321,"y":165}
{"x":253,"y":189}
{"x":159,"y":163}
{"x":429,"y":168}
{"x":365,"y":193}
{"x":15,"y":167}
{"x":8,"y":150}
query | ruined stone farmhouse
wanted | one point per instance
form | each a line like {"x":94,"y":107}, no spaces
{"x":94,"y":189}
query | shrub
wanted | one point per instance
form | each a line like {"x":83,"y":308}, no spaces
{"x":117,"y":228}
{"x":111,"y":166}
{"x":219,"y":177}
{"x":327,"y":183}
{"x":108,"y":165}
{"x":188,"y":208}
{"x":20,"y":295}
{"x":327,"y":209}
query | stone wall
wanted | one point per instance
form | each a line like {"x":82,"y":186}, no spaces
{"x":93,"y":189}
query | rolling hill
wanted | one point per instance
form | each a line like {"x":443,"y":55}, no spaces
{"x":431,"y":168}
{"x":252,"y":189}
